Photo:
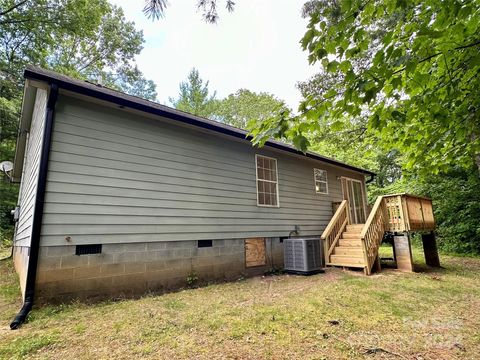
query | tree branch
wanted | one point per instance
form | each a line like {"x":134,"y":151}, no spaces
{"x":467,"y":46}
{"x":3,"y":13}
{"x":440,"y":53}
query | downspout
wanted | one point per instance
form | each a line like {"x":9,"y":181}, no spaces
{"x":38,"y":211}
{"x":372,"y":177}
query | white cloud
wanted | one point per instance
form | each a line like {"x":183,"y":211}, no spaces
{"x":255,"y":47}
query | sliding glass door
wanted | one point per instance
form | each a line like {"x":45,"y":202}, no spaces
{"x":353,"y":192}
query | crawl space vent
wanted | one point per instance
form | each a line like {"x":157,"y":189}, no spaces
{"x":88,"y":249}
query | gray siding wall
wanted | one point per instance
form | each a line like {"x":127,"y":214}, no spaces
{"x":116,"y":177}
{"x":28,"y":189}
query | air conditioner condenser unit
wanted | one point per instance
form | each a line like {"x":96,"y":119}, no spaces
{"x":303,"y":255}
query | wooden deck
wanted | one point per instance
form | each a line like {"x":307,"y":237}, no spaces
{"x":407,"y":212}
{"x":357,"y":245}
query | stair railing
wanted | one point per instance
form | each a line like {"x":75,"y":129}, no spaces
{"x":372,"y":233}
{"x":335,"y":228}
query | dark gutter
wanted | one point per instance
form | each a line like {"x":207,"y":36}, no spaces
{"x":372,"y":177}
{"x":124,"y":100}
{"x":38,"y":211}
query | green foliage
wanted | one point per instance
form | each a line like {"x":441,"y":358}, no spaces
{"x":408,"y":73}
{"x":244,"y":106}
{"x":192,"y":279}
{"x":89,"y":40}
{"x":398,"y":89}
{"x":194,"y":96}
{"x":456,"y":202}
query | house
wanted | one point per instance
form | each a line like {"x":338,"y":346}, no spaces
{"x":120,"y":195}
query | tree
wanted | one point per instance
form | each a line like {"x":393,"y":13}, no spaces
{"x":243,"y":106}
{"x":89,"y":40}
{"x":194,"y":96}
{"x":409,"y":76}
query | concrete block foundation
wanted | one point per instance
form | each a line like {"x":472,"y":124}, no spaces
{"x":129,"y":270}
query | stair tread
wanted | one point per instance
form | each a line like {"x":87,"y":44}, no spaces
{"x":346,"y":265}
{"x":348,"y":252}
{"x":350,"y":256}
{"x":349,"y":243}
{"x":347,"y":235}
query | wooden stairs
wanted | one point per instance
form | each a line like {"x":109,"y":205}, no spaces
{"x":356,"y":245}
{"x":348,"y":251}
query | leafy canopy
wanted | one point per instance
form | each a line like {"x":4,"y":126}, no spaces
{"x":246,"y":106}
{"x":89,"y":40}
{"x":194,"y":96}
{"x":407,"y":71}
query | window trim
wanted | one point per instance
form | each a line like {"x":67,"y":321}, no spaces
{"x":270,"y":181}
{"x":315,"y":182}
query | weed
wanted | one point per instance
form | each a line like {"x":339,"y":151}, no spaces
{"x":192,"y":279}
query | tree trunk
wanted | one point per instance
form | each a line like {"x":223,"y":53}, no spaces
{"x":477,"y":162}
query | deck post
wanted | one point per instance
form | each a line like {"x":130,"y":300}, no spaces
{"x":430,"y":249}
{"x":403,"y":251}
{"x":378,"y":265}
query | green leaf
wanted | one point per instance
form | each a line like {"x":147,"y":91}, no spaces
{"x":337,"y":125}
{"x":330,"y":93}
{"x":410,"y":67}
{"x":431,"y":33}
{"x":345,"y":66}
{"x":331,"y":47}
{"x":332,"y":66}
{"x":301,"y":143}
{"x":321,"y":53}
{"x":350,"y":76}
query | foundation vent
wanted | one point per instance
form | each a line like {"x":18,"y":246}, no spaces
{"x":88,"y":249}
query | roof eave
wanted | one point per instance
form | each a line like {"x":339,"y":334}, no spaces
{"x":177,"y":115}
{"x":28,"y":104}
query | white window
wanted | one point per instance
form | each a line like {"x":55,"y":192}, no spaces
{"x":321,"y":181}
{"x":267,"y":181}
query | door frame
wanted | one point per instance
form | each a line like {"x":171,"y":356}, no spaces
{"x":364,"y":193}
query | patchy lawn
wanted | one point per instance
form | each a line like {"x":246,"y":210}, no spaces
{"x":337,"y":315}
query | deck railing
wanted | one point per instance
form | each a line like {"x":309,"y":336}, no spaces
{"x":394,"y":213}
{"x":335,"y":228}
{"x":396,"y":218}
{"x":409,"y":213}
{"x":372,"y":233}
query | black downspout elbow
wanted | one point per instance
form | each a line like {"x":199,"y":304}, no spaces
{"x":372,"y":177}
{"x":22,"y":314}
{"x":38,"y":211}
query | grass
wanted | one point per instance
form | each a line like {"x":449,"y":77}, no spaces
{"x":336,"y":315}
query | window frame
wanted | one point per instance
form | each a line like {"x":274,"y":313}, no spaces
{"x":320,"y":181}
{"x":270,"y":181}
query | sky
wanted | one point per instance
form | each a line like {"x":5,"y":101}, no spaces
{"x":255,"y":47}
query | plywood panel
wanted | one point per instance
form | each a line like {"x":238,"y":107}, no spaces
{"x":415,"y":216}
{"x":429,"y":220}
{"x":255,"y":252}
